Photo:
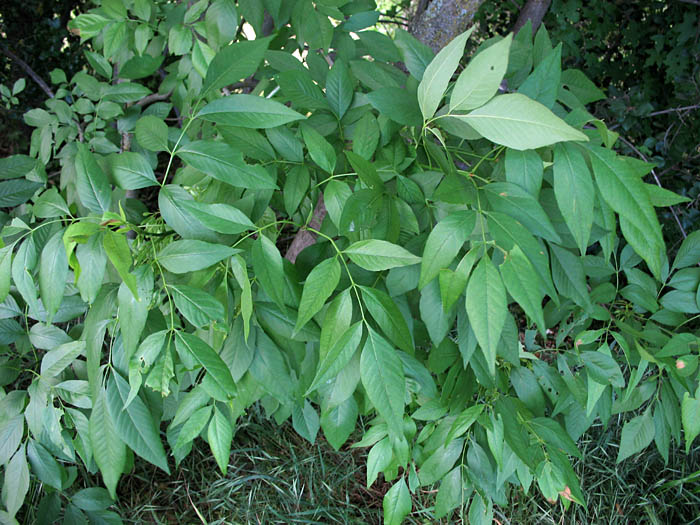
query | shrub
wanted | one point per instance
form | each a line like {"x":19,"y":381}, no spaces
{"x":488,"y":279}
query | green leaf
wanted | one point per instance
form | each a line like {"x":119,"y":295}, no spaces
{"x":56,"y":360}
{"x":603,"y":369}
{"x":296,"y":185}
{"x":463,"y":421}
{"x":398,"y":104}
{"x":661,"y":197}
{"x":269,"y":369}
{"x":365,"y":171}
{"x":581,"y":86}
{"x":376,"y":255}
{"x":233,"y":63}
{"x":114,"y":37}
{"x":388,"y":316}
{"x":690,"y":416}
{"x":543,"y":83}
{"x":339,"y":88}
{"x":185,"y":224}
{"x":11,"y":432}
{"x":444,"y":242}
{"x":286,"y":143}
{"x":451,"y":493}
{"x":574,"y":191}
{"x":440,"y":462}
{"x":44,"y":466}
{"x":5,"y":270}
{"x":152,"y":133}
{"x":397,"y":503}
{"x":517,"y":202}
{"x":299,"y":88}
{"x":525,"y":169}
{"x":219,"y":217}
{"x":453,"y":284}
{"x":226,"y":164}
{"x":338,"y":423}
{"x":382,"y":376}
{"x":88,"y":25}
{"x":189,"y":255}
{"x":318,"y":287}
{"x":322,"y":153}
{"x":338,"y":356}
{"x":92,"y":499}
{"x":221,"y":22}
{"x":219,"y":435}
{"x":551,"y":432}
{"x":240,"y":272}
{"x":192,"y":427}
{"x":198,"y":307}
{"x":16,"y":483}
{"x":569,"y":276}
{"x":480,"y":80}
{"x":268,"y":268}
{"x":117,"y":249}
{"x":16,"y":192}
{"x":487,"y":308}
{"x":625,"y":193}
{"x":108,"y":449}
{"x":523,"y":284}
{"x":53,"y":272}
{"x":50,"y":204}
{"x":209,"y":360}
{"x":134,"y":424}
{"x":438,"y":74}
{"x":248,"y":111}
{"x":509,"y":232}
{"x":140,"y":67}
{"x":637,"y":434}
{"x":305,"y":421}
{"x":125,"y":92}
{"x":179,"y":39}
{"x":415,"y":54}
{"x":378,"y":459}
{"x":93,"y":188}
{"x":131,"y":171}
{"x":22,"y":269}
{"x":689,"y":252}
{"x":517,"y":122}
{"x":132,"y":311}
{"x":16,"y":166}
{"x":365,"y":137}
{"x":336,"y":320}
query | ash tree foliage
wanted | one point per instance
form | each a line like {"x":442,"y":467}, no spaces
{"x":488,"y":279}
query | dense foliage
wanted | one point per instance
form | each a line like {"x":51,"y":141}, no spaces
{"x":651,"y":78}
{"x":489,"y":277}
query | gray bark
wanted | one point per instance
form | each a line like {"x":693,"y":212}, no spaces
{"x":436,"y":23}
{"x":533,"y":10}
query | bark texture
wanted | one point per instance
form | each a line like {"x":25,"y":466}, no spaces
{"x":533,"y":10}
{"x":436,"y":23}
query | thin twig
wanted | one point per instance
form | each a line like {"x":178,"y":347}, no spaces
{"x":658,"y":183}
{"x":21,"y":63}
{"x":153,"y":97}
{"x":674,"y":110}
{"x":304,"y":238}
{"x":694,"y":2}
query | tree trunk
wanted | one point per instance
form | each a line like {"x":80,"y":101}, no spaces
{"x":533,"y":10}
{"x":437,"y":22}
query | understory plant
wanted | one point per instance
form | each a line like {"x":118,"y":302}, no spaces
{"x":488,"y":277}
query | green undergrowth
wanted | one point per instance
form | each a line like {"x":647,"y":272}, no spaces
{"x":276,"y":477}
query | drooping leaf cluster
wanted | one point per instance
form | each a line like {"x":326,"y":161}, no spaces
{"x":489,"y":277}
